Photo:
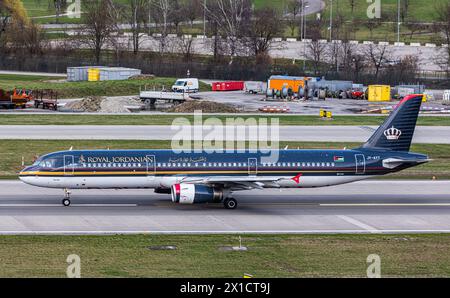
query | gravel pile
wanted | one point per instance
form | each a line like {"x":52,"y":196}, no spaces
{"x":105,"y":104}
{"x":204,"y":106}
{"x":88,"y":104}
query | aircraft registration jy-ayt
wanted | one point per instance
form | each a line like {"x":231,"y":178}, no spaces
{"x":193,"y":178}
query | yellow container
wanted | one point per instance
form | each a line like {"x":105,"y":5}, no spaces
{"x":424,"y":98}
{"x":379,"y":93}
{"x":93,"y":74}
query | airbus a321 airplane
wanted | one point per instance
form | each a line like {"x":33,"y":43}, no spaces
{"x":211,"y":178}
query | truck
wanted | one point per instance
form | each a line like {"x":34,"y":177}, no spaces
{"x":14,"y":99}
{"x":187,"y":85}
{"x":149,"y":98}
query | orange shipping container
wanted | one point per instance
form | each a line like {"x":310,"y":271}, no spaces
{"x":278,"y":82}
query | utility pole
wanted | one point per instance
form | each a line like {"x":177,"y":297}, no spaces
{"x":398,"y":20}
{"x":149,"y":18}
{"x":331,"y":19}
{"x":204,"y":19}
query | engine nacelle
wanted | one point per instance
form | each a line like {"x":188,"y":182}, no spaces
{"x":185,"y":193}
{"x":162,"y":190}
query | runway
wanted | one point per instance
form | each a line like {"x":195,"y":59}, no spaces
{"x":423,"y":134}
{"x":377,"y":206}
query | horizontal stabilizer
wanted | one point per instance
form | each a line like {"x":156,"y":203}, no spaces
{"x":391,"y":163}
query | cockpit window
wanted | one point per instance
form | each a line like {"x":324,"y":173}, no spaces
{"x":50,"y":162}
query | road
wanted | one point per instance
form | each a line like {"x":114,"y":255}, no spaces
{"x":423,"y":134}
{"x":292,"y":50}
{"x":362,"y":207}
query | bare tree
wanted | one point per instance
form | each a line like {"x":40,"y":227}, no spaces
{"x":185,"y":47}
{"x":163,"y":10}
{"x":59,"y":6}
{"x":442,"y":28}
{"x":413,"y":27}
{"x":264,"y":27}
{"x":316,"y":52}
{"x":404,"y":9}
{"x":230,"y":16}
{"x":5,"y":17}
{"x":293,"y":10}
{"x":352,"y":4}
{"x":378,"y":57}
{"x":177,"y":15}
{"x":98,"y":25}
{"x":372,"y":24}
{"x":136,"y":16}
{"x":192,"y":10}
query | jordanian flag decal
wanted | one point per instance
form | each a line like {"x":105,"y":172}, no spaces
{"x":338,"y":159}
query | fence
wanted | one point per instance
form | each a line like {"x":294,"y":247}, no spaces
{"x":240,"y":69}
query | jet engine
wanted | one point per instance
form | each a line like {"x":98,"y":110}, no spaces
{"x":185,"y":193}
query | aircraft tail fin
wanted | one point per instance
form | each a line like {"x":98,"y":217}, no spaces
{"x":397,"y":131}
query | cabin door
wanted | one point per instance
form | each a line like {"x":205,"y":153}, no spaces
{"x":360,"y":163}
{"x":252,"y":167}
{"x":68,"y":165}
{"x":151,"y":165}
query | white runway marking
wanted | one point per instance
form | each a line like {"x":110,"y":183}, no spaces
{"x":383,"y":204}
{"x":125,"y":232}
{"x":72,"y":205}
{"x":358,"y":223}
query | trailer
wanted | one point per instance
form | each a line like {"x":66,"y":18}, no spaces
{"x":150,"y":97}
{"x":47,"y":98}
{"x":255,"y":87}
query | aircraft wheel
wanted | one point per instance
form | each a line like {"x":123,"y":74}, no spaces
{"x":230,"y":203}
{"x":66,"y":202}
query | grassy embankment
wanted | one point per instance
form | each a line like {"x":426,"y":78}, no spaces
{"x":133,"y":119}
{"x":419,"y":10}
{"x":11,"y":152}
{"x":199,"y":256}
{"x":81,"y":89}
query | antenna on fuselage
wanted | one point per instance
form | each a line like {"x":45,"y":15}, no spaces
{"x":285,"y":148}
{"x":71,"y":147}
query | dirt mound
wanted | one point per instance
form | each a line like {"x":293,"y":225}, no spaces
{"x":102,"y":104}
{"x":204,"y":106}
{"x":88,"y":104}
{"x":142,"y":77}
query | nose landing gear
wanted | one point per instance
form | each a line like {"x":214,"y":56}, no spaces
{"x":66,"y":200}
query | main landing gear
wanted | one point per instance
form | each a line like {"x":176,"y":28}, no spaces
{"x":66,"y":200}
{"x":230,"y":203}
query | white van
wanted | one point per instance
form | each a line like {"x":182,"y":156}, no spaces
{"x":185,"y":85}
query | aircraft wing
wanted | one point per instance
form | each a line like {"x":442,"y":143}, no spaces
{"x":237,"y":182}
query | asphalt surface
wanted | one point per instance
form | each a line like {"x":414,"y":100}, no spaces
{"x":423,"y":134}
{"x":361,"y":207}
